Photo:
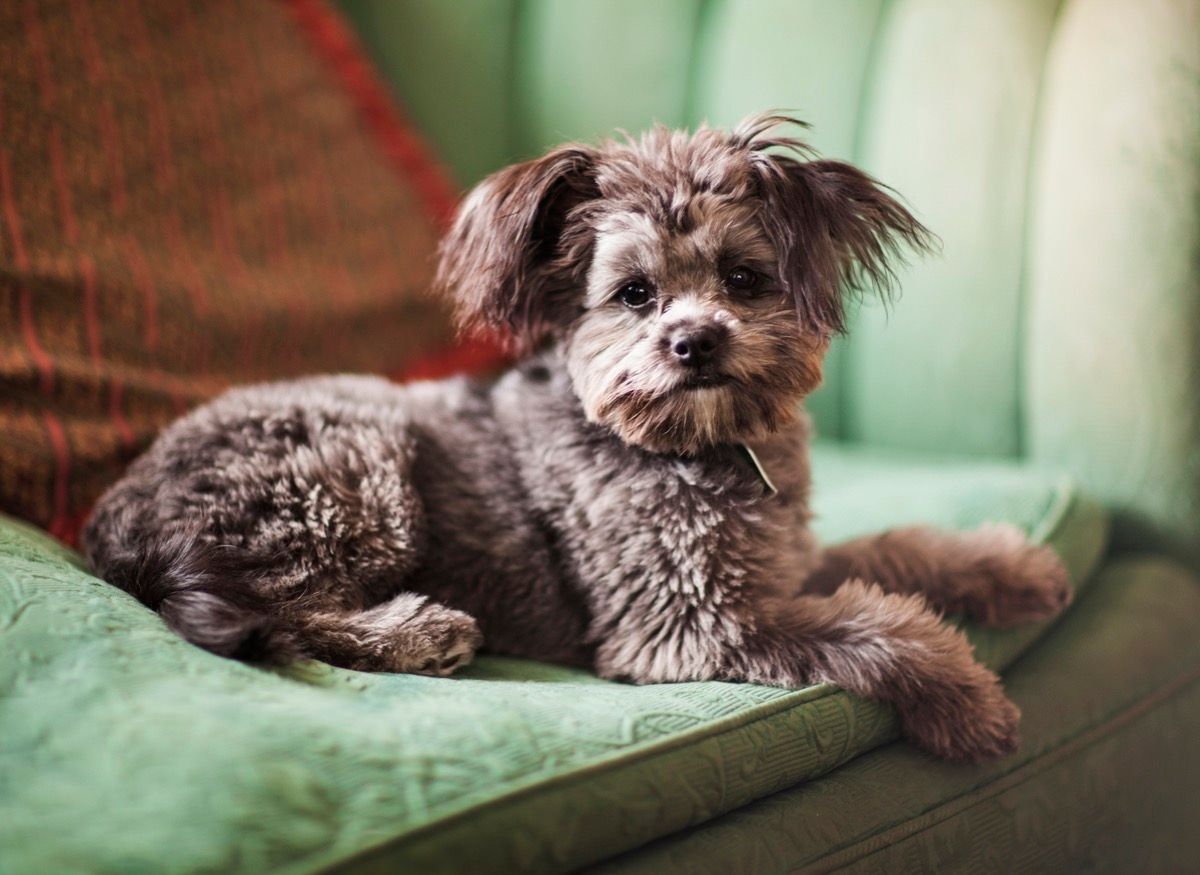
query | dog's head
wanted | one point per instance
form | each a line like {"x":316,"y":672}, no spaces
{"x":693,"y":282}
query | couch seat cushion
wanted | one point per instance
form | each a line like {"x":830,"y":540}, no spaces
{"x":123,"y":748}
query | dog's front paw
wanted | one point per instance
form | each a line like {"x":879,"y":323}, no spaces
{"x":445,"y":640}
{"x":968,"y":723}
{"x":1019,"y":581}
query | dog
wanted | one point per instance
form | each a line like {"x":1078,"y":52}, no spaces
{"x":632,"y":497}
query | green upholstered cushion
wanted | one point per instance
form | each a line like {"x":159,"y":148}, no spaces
{"x":1105,"y":780}
{"x":123,"y":748}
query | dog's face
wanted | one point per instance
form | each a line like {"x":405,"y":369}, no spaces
{"x":687,"y":336}
{"x":693,"y":282}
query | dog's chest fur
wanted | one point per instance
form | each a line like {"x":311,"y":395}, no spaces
{"x":534,"y":515}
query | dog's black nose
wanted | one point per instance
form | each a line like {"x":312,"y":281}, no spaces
{"x":696,"y":346}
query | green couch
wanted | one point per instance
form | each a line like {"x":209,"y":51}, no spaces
{"x":1053,"y":354}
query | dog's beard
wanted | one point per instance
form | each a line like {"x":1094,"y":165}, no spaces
{"x":671,"y":412}
{"x":687,"y":420}
{"x":627,"y":384}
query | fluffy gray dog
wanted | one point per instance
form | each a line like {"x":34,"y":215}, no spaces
{"x":633,"y":497}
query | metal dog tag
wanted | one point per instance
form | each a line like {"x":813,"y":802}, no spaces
{"x":752,"y":458}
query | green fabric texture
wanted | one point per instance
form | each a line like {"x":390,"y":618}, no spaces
{"x":1110,"y":703}
{"x":598,"y":67}
{"x":454,"y":64}
{"x":952,"y":137}
{"x":125,"y":749}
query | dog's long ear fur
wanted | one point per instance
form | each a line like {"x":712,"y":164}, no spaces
{"x":837,"y":230}
{"x":501,"y":261}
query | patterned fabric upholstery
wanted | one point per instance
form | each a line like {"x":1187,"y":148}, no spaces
{"x":190,"y":196}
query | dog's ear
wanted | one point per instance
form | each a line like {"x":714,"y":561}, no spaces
{"x":504,"y":261}
{"x":837,"y":232}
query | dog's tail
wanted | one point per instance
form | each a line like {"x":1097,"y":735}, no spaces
{"x":207,"y":593}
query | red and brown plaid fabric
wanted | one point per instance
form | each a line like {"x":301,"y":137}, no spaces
{"x":192,"y":194}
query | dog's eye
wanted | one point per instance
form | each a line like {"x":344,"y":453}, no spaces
{"x":634,"y":295}
{"x":742,"y":279}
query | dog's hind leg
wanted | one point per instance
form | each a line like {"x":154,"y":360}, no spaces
{"x":409,"y":634}
{"x":271,"y":504}
{"x":993,"y":575}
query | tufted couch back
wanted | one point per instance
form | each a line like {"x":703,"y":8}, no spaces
{"x":1054,"y":147}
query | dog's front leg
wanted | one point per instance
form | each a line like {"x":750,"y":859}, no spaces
{"x":888,"y":647}
{"x":993,"y":575}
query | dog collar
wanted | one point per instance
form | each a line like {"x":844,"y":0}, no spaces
{"x":752,"y":457}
